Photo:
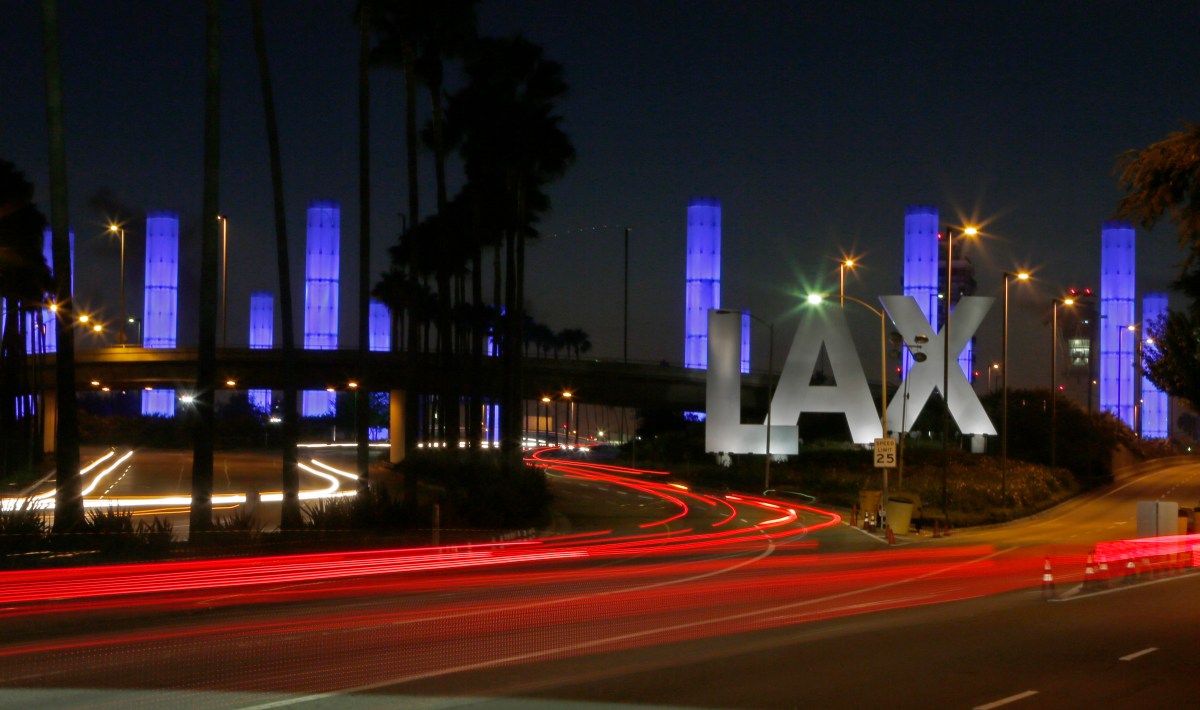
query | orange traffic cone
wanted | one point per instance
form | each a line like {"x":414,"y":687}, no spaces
{"x":1131,"y":571}
{"x":1089,"y":574}
{"x":1047,"y":581}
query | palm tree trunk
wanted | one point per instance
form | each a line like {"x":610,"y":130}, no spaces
{"x":413,"y":397}
{"x":68,"y":496}
{"x":9,"y":365}
{"x":206,"y":375}
{"x":362,"y":396}
{"x":290,"y":517}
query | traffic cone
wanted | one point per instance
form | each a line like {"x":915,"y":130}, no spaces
{"x":1102,"y":573}
{"x":1047,"y":581}
{"x":1089,"y":574}
{"x":1131,"y":571}
{"x":891,"y":536}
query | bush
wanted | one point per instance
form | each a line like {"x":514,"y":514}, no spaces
{"x":482,"y":490}
{"x":375,"y":510}
{"x":23,"y":528}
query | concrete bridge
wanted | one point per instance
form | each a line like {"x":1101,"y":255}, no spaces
{"x":602,"y":382}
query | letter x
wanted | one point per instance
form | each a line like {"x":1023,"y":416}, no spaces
{"x":925,"y":377}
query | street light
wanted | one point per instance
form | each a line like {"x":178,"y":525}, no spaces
{"x":914,"y":350}
{"x":967,"y":232}
{"x":770,"y":389}
{"x":817,"y":298}
{"x":1008,"y":276}
{"x":847,"y":263}
{"x":1132,"y":328}
{"x":138,"y":323}
{"x":1054,"y":377}
{"x":224,"y":280}
{"x":995,"y":368}
{"x":567,"y":394}
{"x":120,"y":231}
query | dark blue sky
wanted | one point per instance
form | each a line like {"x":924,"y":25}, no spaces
{"x":815,"y":123}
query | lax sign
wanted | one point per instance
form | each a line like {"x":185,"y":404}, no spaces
{"x":850,"y":396}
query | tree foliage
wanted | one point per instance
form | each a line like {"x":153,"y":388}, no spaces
{"x":1163,"y":180}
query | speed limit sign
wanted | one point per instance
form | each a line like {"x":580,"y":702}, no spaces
{"x":885,"y":453}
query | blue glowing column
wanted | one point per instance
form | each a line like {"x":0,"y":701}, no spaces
{"x":380,"y":327}
{"x":45,"y":338}
{"x":703,"y":277}
{"x":1117,"y":311}
{"x":491,"y":410}
{"x":262,"y":337}
{"x":379,"y":339}
{"x":321,"y":293}
{"x":1156,"y":418}
{"x":921,"y":263}
{"x":161,"y":309}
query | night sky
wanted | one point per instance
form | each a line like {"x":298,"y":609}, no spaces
{"x":814,"y":123}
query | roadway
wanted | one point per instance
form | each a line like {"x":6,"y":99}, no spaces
{"x":650,"y":596}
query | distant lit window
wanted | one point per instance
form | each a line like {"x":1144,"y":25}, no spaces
{"x":1080,"y":350}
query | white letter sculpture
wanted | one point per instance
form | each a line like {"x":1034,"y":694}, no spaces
{"x":723,"y":428}
{"x":850,"y":396}
{"x":724,"y":431}
{"x":925,"y":377}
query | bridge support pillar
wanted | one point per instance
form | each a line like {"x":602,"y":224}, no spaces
{"x":396,"y":426}
{"x":49,"y":405}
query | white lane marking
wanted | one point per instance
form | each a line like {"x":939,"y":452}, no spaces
{"x":1006,"y":701}
{"x":642,"y":633}
{"x":1139,"y":654}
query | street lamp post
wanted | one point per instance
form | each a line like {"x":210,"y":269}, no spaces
{"x":967,"y":232}
{"x":770,"y":392}
{"x":1054,"y":377}
{"x":914,"y":350}
{"x":1008,"y":275}
{"x":224,"y":280}
{"x":845,"y":264}
{"x":625,"y":330}
{"x":120,"y":231}
{"x":882,"y":365}
{"x":567,"y":395}
{"x":1132,"y":328}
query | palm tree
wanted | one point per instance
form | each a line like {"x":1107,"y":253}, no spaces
{"x":513,"y":145}
{"x":206,"y":375}
{"x":575,"y":340}
{"x":362,"y":407}
{"x":290,"y":517}
{"x":68,"y":497}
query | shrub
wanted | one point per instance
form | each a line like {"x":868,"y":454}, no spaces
{"x":23,"y":528}
{"x":481,"y":490}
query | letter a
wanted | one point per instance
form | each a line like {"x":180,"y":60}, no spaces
{"x":850,"y":396}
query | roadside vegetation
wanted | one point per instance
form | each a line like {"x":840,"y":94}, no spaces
{"x":835,"y":472}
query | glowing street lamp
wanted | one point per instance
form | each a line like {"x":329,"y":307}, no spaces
{"x":224,"y":280}
{"x":1132,"y":328}
{"x":882,"y":362}
{"x":966,"y":232}
{"x":847,"y":263}
{"x":1008,"y":276}
{"x":120,"y":231}
{"x":770,"y":385}
{"x":1054,"y":377}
